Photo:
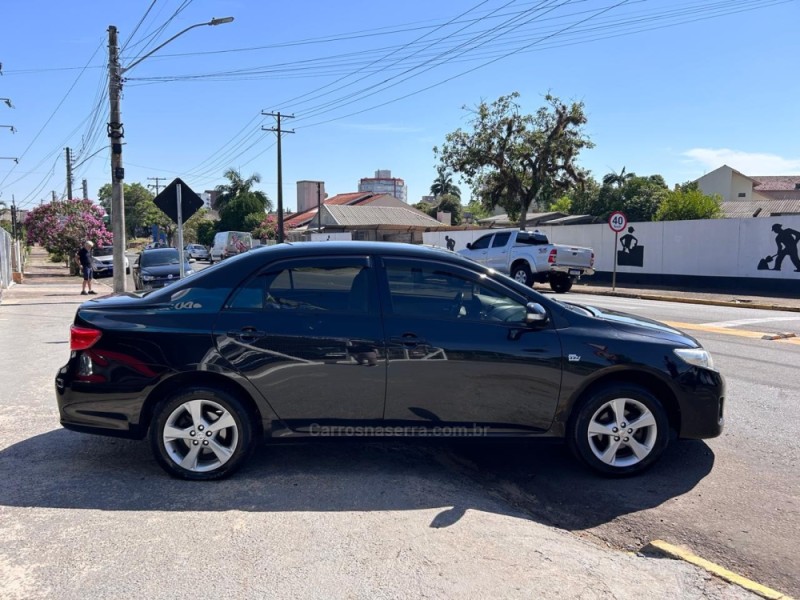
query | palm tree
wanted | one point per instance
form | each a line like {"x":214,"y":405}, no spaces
{"x":238,"y":186}
{"x":618,"y":179}
{"x":443,"y":184}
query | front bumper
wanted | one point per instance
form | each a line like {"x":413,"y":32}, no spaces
{"x":702,"y":407}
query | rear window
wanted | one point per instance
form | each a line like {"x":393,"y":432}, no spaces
{"x":534,"y":238}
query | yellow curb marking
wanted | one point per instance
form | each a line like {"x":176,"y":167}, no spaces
{"x":713,"y":329}
{"x":713,"y":568}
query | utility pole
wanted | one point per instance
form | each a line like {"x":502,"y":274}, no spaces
{"x":115,"y":134}
{"x":156,"y":184}
{"x":69,"y":173}
{"x":53,"y":193}
{"x":279,"y":131}
{"x":85,"y":190}
{"x":319,"y":208}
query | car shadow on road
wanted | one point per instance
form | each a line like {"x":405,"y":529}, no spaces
{"x":62,"y":469}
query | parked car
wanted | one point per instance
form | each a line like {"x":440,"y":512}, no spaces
{"x":360,"y":338}
{"x":197,"y":251}
{"x":230,"y":243}
{"x":103,"y":262}
{"x":158,"y":267}
{"x":529,"y":256}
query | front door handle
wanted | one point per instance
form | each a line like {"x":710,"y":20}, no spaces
{"x":409,"y":340}
{"x":247,"y":334}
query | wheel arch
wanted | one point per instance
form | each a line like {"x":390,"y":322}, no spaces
{"x":199,"y":379}
{"x":651,"y":382}
{"x":521,"y":260}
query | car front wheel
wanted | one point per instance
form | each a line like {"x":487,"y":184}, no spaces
{"x":619,"y":430}
{"x":522,"y":274}
{"x":201,"y":434}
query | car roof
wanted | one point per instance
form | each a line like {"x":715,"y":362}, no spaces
{"x":299,"y":249}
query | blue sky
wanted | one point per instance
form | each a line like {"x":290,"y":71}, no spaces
{"x":678,"y":100}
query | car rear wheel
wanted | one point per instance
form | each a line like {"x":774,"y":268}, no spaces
{"x":561,"y":283}
{"x":522,"y":273}
{"x":619,"y":430}
{"x":201,"y":434}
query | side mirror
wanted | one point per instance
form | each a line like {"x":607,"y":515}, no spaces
{"x":469,"y":245}
{"x":535,"y":314}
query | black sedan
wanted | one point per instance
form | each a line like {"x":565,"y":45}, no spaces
{"x":369,"y":339}
{"x":158,"y":267}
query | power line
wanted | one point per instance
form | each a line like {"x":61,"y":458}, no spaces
{"x":139,"y":24}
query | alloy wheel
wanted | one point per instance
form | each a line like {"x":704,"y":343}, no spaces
{"x":622,"y":432}
{"x":200,"y":435}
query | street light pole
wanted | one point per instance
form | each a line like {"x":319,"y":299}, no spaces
{"x":115,"y":134}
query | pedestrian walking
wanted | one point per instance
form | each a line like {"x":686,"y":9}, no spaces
{"x":85,"y":260}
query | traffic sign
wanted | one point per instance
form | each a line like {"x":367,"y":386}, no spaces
{"x":167,"y":201}
{"x":617,"y":221}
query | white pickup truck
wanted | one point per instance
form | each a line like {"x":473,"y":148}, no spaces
{"x":528,"y":256}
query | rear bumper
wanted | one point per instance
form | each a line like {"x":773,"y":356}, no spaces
{"x":575,"y":271}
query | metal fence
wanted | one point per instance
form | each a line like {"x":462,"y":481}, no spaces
{"x":5,"y":259}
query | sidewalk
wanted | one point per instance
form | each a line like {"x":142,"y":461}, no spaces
{"x":47,"y":282}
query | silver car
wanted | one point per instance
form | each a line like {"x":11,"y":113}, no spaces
{"x":196,"y":251}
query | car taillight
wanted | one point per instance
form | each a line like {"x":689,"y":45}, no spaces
{"x":591,"y":262}
{"x":82,"y":338}
{"x":552,"y":258}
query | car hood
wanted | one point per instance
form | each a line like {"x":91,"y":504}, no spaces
{"x":642,"y":326}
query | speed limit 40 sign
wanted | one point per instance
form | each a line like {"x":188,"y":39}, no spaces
{"x":617,"y":221}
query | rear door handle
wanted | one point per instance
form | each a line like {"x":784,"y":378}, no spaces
{"x":409,"y":340}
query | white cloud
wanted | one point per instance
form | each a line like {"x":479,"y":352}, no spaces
{"x":749,"y":163}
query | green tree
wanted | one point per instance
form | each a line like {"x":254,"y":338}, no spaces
{"x":239,"y":186}
{"x":515,"y":160}
{"x":191,"y":225}
{"x":134,"y":193}
{"x":205,"y":232}
{"x":443,"y":184}
{"x":682,"y":204}
{"x":563,"y":204}
{"x":618,"y":179}
{"x":475,"y":211}
{"x":446,"y":203}
{"x":236,"y":214}
{"x":638,"y":197}
{"x":584,"y":196}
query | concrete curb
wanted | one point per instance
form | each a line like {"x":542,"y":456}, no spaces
{"x":706,"y":301}
{"x":660,"y":547}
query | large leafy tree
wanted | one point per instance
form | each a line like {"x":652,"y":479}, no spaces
{"x":134,"y":193}
{"x":688,"y":202}
{"x":515,"y":160}
{"x":239,"y":186}
{"x":62,"y":226}
{"x":244,"y":213}
{"x":443,"y":184}
{"x":638,"y":197}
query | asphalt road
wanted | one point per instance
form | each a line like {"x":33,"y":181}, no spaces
{"x":92,"y":517}
{"x":734,"y":499}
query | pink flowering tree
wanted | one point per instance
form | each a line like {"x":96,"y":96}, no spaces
{"x":267,"y":229}
{"x":62,"y":226}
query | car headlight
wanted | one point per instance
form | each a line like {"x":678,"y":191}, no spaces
{"x":147,"y":278}
{"x":695,"y":356}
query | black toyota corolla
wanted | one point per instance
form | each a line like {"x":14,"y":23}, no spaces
{"x":376,"y":339}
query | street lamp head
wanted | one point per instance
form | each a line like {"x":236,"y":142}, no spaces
{"x":221,"y":21}
{"x":8,"y":102}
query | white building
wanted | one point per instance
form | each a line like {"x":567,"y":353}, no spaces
{"x":730,"y":184}
{"x":384,"y":183}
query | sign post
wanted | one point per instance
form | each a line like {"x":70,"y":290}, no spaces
{"x":617,"y":221}
{"x":177,"y":201}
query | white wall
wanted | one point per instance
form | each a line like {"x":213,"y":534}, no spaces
{"x":706,"y":248}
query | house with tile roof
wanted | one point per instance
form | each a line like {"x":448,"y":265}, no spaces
{"x":746,"y":196}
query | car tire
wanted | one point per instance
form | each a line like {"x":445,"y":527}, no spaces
{"x":201,"y":434}
{"x":561,"y":283}
{"x":521,"y":273}
{"x":625,"y":409}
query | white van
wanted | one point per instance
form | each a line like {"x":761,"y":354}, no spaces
{"x":230,"y":243}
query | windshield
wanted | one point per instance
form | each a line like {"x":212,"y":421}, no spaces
{"x":159,"y":258}
{"x":104,"y":251}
